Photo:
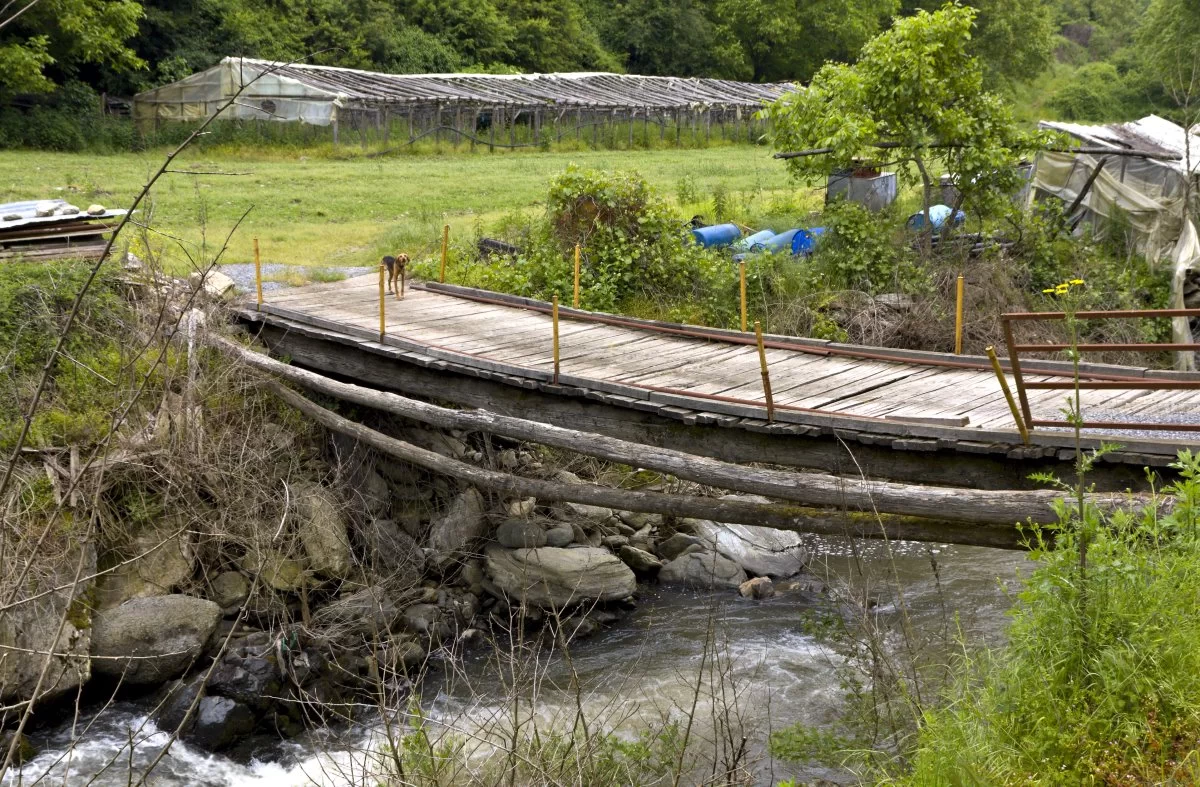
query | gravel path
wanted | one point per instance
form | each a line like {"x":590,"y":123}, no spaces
{"x":242,"y":274}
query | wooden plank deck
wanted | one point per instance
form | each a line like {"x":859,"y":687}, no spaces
{"x":645,"y":362}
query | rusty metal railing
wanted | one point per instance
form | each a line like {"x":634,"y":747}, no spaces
{"x":1097,"y":381}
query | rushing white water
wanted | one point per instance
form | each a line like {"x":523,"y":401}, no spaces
{"x":635,"y":674}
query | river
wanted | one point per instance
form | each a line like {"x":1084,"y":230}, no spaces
{"x":634,"y":674}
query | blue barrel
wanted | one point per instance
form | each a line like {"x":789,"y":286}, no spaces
{"x":938,"y":214}
{"x":780,"y":243}
{"x":716,"y":236}
{"x":805,"y":241}
{"x":757,"y":239}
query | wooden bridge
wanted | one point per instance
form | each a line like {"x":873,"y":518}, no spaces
{"x":904,"y":415}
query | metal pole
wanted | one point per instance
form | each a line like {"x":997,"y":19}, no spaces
{"x":555,"y":320}
{"x":445,"y":248}
{"x":742,"y":276}
{"x":382,"y":301}
{"x":1008,"y":397}
{"x":575,"y":300}
{"x":958,"y":317}
{"x":766,"y":378}
{"x":258,"y":274}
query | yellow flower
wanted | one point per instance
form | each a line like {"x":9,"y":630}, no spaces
{"x":1076,"y":282}
{"x":1049,"y":291}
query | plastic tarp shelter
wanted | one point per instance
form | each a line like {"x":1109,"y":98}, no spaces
{"x":272,"y":96}
{"x":1147,"y":194}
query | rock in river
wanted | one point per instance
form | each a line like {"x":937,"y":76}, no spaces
{"x":705,"y":570}
{"x":163,"y":634}
{"x":761,"y":551}
{"x":555,"y":577}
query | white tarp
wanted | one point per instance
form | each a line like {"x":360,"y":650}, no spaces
{"x":1148,"y":195}
{"x":270,"y":96}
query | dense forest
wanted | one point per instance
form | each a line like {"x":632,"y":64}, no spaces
{"x":1086,"y":59}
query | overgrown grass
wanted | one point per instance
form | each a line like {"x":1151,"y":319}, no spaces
{"x":330,"y":213}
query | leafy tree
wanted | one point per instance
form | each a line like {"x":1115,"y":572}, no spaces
{"x":554,"y":35}
{"x":44,"y":42}
{"x":917,"y":90}
{"x":670,"y":38}
{"x":1169,"y":45}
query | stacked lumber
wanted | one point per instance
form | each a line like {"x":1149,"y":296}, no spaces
{"x":54,"y":229}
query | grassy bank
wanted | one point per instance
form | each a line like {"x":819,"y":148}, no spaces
{"x":330,"y":212}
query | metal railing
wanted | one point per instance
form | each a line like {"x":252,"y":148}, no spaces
{"x":1091,"y":380}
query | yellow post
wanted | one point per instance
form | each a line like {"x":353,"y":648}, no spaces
{"x":257,"y":273}
{"x":382,"y":301}
{"x":958,"y":318}
{"x":445,"y":249}
{"x":554,"y":316}
{"x":1008,"y":397}
{"x":762,"y":362}
{"x":742,"y":275}
{"x":575,"y":301}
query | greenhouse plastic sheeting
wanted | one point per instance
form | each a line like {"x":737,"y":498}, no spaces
{"x":1147,"y":196}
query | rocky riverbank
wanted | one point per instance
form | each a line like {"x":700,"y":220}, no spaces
{"x":371,"y":579}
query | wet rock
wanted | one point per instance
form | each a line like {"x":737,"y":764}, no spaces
{"x":250,"y":678}
{"x":518,"y":533}
{"x":404,"y":651}
{"x":640,"y":561}
{"x":472,"y":576}
{"x":165,"y":633}
{"x":322,"y":531}
{"x":555,"y":578}
{"x":228,"y":590}
{"x":220,"y":724}
{"x":560,"y":536}
{"x":462,"y":524}
{"x":705,"y":570}
{"x":367,"y":611}
{"x":579,"y":627}
{"x":757,"y":588}
{"x":760,"y":551}
{"x":24,"y":750}
{"x":676,"y":545}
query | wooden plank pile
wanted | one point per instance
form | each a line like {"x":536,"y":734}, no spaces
{"x":54,"y":229}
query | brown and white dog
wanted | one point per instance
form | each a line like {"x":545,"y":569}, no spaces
{"x":395,"y":273}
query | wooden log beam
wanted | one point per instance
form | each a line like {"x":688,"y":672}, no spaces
{"x":941,"y":145}
{"x":780,"y":517}
{"x":811,"y":489}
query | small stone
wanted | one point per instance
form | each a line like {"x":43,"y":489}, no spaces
{"x":422,"y":618}
{"x":758,"y":588}
{"x":12,"y":217}
{"x":579,"y":628}
{"x":519,"y":509}
{"x":614,"y":542}
{"x":519,"y":533}
{"x":96,"y":210}
{"x":472,"y":576}
{"x":560,"y":536}
{"x":676,"y":545}
{"x":44,"y":209}
{"x":228,"y":590}
{"x":404,"y":650}
{"x":640,"y":561}
{"x":508,"y":460}
{"x":471,"y":637}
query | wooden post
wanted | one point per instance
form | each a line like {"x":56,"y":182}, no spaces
{"x":958,"y":317}
{"x":742,"y":276}
{"x":258,"y":274}
{"x":1008,"y":397}
{"x":445,"y":249}
{"x":766,"y":378}
{"x":575,"y":300}
{"x":555,"y":321}
{"x":382,"y":301}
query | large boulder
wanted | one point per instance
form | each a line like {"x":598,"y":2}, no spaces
{"x":154,"y":562}
{"x":760,"y":551}
{"x":151,"y":640}
{"x":552,"y":577}
{"x":34,"y":626}
{"x":518,"y":533}
{"x":462,"y":523}
{"x":322,"y":531}
{"x":704,"y":570}
{"x":275,"y":569}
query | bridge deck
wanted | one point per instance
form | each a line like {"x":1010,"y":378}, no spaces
{"x":886,"y":392}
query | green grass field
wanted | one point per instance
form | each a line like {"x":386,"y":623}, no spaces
{"x":324,"y":212}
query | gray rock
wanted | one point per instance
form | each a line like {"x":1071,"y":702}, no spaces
{"x":520,"y":509}
{"x":426,"y":619}
{"x":676,"y":545}
{"x":375,"y":493}
{"x":275,"y":569}
{"x":403,"y":650}
{"x":220,"y":723}
{"x":518,"y":533}
{"x":96,"y":210}
{"x":164,"y":633}
{"x":554,"y":578}
{"x":705,"y":570}
{"x":392,"y":552}
{"x":228,"y":590}
{"x":640,"y":561}
{"x":614,"y":542}
{"x":638,"y":520}
{"x":472,"y":576}
{"x":760,"y":551}
{"x":462,"y":524}
{"x":322,"y":531}
{"x":759,"y":587}
{"x":161,"y":561}
{"x":560,"y":536}
{"x":367,"y":611}
{"x":587,"y":514}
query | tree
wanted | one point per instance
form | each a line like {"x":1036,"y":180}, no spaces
{"x":670,"y":38}
{"x":916,"y":90}
{"x":45,"y":41}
